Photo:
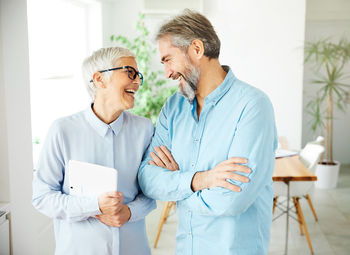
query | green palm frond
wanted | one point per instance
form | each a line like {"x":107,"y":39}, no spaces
{"x":314,"y":109}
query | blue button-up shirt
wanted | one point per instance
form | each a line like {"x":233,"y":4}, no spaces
{"x":120,"y":145}
{"x":237,"y":120}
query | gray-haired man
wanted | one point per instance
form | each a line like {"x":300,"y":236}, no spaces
{"x":215,"y":119}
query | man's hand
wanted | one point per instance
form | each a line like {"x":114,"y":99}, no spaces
{"x":116,"y":220}
{"x":217,"y":176}
{"x":110,"y":203}
{"x":163,"y":158}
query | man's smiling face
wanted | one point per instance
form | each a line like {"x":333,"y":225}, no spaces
{"x":178,"y":66}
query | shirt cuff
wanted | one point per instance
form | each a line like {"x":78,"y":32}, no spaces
{"x":140,"y":208}
{"x":186,"y":182}
{"x":92,"y":208}
{"x":133,"y":214}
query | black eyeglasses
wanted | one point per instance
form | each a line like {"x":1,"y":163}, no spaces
{"x":132,"y":73}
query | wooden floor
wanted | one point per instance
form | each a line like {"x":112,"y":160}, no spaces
{"x":329,"y":236}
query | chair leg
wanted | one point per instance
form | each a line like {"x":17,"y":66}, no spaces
{"x":298,"y":215}
{"x":305,"y":227}
{"x":311,"y":206}
{"x":169,"y":205}
{"x":274,"y":204}
{"x":163,"y":218}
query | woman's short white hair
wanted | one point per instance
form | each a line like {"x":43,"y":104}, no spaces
{"x":102,"y":59}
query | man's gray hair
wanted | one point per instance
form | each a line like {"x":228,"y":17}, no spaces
{"x":102,"y":59}
{"x":188,"y":26}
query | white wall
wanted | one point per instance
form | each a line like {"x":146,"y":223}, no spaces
{"x":26,"y":223}
{"x":4,"y":174}
{"x":261,"y":42}
{"x":328,"y":18}
{"x":119,"y":18}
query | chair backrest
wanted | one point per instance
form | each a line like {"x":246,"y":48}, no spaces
{"x":319,"y":140}
{"x":310,"y":155}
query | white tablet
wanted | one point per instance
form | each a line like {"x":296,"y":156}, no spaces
{"x":86,"y":179}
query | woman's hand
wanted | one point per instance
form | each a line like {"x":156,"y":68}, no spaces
{"x":110,"y":203}
{"x":117,"y":220}
{"x":163,"y":158}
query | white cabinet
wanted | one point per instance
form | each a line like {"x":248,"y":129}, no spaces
{"x":4,"y":230}
{"x":5,"y":238}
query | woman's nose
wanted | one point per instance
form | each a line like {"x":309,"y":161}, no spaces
{"x":138,"y":80}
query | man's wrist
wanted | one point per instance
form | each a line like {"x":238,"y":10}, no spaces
{"x":199,"y":181}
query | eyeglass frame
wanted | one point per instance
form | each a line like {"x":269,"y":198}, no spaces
{"x":137,"y":73}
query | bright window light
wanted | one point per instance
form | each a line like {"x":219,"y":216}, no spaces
{"x":61,"y":35}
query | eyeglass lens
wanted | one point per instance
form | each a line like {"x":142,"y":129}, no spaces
{"x":132,"y":74}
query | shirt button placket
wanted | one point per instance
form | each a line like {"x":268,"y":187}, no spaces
{"x":189,"y":233}
{"x":111,"y":137}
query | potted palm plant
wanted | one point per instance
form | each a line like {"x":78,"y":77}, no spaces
{"x":329,"y":61}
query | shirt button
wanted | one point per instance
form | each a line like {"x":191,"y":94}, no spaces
{"x":192,"y":165}
{"x":189,"y":233}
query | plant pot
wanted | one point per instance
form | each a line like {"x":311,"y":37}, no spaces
{"x":327,"y":176}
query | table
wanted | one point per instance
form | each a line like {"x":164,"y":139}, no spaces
{"x":289,"y":169}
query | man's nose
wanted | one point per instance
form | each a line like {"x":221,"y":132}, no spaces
{"x":168,"y":72}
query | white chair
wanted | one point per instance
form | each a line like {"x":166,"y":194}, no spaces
{"x":310,"y":156}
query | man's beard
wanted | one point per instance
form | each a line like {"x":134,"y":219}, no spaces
{"x":190,"y":77}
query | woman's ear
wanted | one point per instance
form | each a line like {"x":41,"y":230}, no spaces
{"x":99,"y":80}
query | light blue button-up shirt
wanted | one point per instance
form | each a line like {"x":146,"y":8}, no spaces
{"x":120,"y":145}
{"x":237,"y":120}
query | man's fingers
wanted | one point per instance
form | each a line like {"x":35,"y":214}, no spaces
{"x":167,"y":153}
{"x":237,"y":160}
{"x":151,"y":162}
{"x":236,"y":177}
{"x":229,"y":186}
{"x":162,"y":155}
{"x":157,"y":160}
{"x":239,"y":168}
{"x":172,"y":164}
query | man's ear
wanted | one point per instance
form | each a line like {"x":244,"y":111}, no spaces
{"x":99,"y":80}
{"x":196,"y":49}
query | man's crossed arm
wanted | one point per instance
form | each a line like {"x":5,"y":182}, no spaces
{"x":216,"y":177}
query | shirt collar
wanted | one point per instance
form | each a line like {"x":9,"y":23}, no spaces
{"x":100,"y":127}
{"x":215,"y":96}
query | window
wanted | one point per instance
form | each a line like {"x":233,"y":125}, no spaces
{"x":61,"y":34}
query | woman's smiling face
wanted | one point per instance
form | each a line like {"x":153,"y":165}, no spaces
{"x":120,"y":88}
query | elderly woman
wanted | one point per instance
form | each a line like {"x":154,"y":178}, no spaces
{"x":104,"y":134}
